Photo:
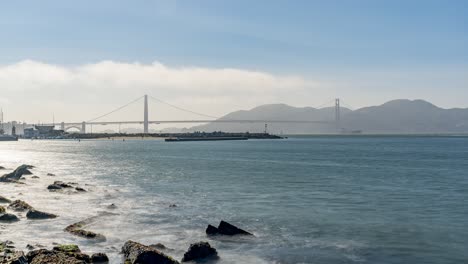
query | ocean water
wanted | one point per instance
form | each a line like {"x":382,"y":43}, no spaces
{"x":317,"y":200}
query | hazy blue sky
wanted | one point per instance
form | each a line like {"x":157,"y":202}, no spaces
{"x":366,"y":52}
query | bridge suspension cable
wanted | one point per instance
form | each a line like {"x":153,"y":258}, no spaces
{"x":180,"y":108}
{"x":115,"y":110}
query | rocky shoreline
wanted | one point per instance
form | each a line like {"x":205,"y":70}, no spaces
{"x":12,"y":211}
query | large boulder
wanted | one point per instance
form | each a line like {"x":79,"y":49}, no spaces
{"x":8,"y":218}
{"x":227,"y":229}
{"x":66,"y":254}
{"x":199,"y":251}
{"x":34,"y":214}
{"x":136,"y":253}
{"x":20,"y":206}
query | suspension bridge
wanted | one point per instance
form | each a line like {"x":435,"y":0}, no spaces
{"x":81,"y":126}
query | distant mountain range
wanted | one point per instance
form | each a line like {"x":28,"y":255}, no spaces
{"x":397,"y":116}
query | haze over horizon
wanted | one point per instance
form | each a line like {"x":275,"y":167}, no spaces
{"x":79,"y":60}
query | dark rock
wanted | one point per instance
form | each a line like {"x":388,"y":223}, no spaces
{"x":4,"y":200}
{"x":79,"y":189}
{"x":30,"y":247}
{"x":53,"y":187}
{"x":138,"y":253}
{"x":199,"y":251}
{"x":211,"y":230}
{"x":33,"y":247}
{"x":16,"y":174}
{"x":34,"y":214}
{"x":99,"y":258}
{"x":50,"y":174}
{"x":8,"y":218}
{"x":2,"y":168}
{"x":35,"y":177}
{"x":172,"y":205}
{"x":112,"y":206}
{"x":2,"y":210}
{"x":225,"y":228}
{"x":62,"y":184}
{"x":20,"y":206}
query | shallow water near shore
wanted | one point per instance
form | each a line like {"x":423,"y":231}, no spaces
{"x":306,"y":199}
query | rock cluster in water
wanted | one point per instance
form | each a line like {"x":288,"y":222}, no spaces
{"x":133,"y":252}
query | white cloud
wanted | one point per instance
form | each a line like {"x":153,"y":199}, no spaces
{"x":98,"y":87}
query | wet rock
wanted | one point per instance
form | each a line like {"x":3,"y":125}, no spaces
{"x":67,"y":248}
{"x":4,"y":200}
{"x":2,"y":210}
{"x":53,"y":187}
{"x":34,"y":214}
{"x":16,"y":257}
{"x":62,"y":184}
{"x":138,"y":253}
{"x":77,"y":230}
{"x":225,"y":228}
{"x":57,"y":255}
{"x":50,"y":174}
{"x":99,"y":258}
{"x":199,"y":251}
{"x":211,"y":230}
{"x":35,"y":177}
{"x":112,"y":206}
{"x":8,"y":254}
{"x":20,"y":206}
{"x":2,"y":168}
{"x":8,"y":218}
{"x":159,"y":246}
{"x":33,"y":247}
{"x":172,"y":205}
{"x":79,"y":189}
{"x":16,"y":174}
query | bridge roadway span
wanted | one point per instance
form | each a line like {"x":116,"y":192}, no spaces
{"x":189,"y":121}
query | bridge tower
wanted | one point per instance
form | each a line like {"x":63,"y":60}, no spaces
{"x":145,"y":116}
{"x":83,"y":127}
{"x":62,"y":126}
{"x":337,"y":114}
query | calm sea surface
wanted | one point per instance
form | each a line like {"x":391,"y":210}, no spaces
{"x":307,"y":200}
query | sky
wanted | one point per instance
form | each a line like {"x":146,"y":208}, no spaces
{"x":76,"y":60}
